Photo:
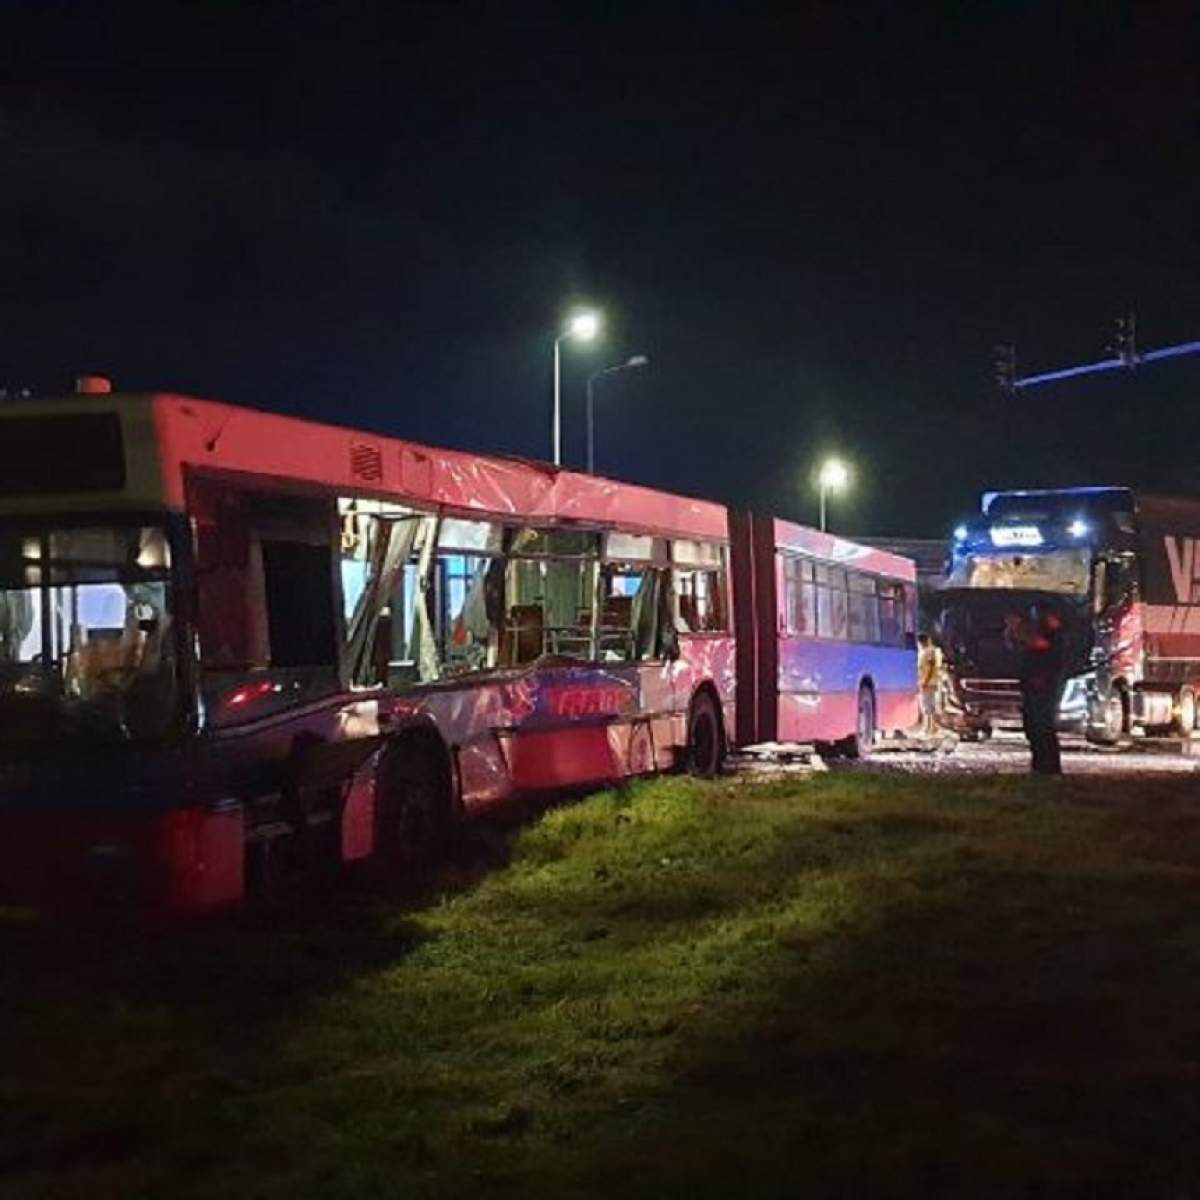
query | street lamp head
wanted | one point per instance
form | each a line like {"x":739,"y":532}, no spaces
{"x":834,"y":475}
{"x":583,"y":326}
{"x":638,"y":360}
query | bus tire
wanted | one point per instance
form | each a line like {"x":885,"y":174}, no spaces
{"x":705,"y":745}
{"x":862,"y":741}
{"x":413,"y":818}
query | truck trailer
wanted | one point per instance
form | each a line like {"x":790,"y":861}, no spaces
{"x":1121,"y":570}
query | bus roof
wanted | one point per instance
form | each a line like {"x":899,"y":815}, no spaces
{"x":201,"y":434}
{"x":173,"y":434}
{"x":831,"y":548}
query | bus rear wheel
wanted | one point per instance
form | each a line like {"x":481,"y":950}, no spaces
{"x":705,"y":749}
{"x":862,"y":741}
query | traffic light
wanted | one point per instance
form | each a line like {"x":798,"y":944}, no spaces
{"x":1124,"y":344}
{"x":1004,"y":366}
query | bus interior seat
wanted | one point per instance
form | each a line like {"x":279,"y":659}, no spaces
{"x":523,"y":634}
{"x":618,"y":612}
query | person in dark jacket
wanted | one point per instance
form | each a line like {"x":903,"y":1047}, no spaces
{"x":1041,"y":687}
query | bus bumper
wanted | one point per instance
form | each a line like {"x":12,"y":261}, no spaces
{"x":174,"y":861}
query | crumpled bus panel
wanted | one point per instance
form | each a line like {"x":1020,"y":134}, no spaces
{"x":201,"y":433}
{"x":544,"y":727}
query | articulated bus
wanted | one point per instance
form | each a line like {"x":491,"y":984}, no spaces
{"x":233,"y":643}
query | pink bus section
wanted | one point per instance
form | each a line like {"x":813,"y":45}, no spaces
{"x":705,"y":629}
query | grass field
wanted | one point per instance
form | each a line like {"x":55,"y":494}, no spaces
{"x":847,"y":985}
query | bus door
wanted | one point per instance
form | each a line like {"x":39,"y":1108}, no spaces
{"x":833,"y":671}
{"x":803,"y":659}
{"x":635,"y":641}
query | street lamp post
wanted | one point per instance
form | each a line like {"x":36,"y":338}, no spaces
{"x":831,"y":478}
{"x":583,"y":327}
{"x":638,"y":360}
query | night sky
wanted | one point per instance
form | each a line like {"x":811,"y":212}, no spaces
{"x":815,"y":225}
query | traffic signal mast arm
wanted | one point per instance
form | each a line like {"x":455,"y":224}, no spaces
{"x":1125,"y":351}
{"x":1108,"y":364}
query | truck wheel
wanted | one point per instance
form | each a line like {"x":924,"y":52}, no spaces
{"x":1114,"y":718}
{"x":1187,"y":711}
{"x":704,"y":748}
{"x":414,"y":809}
{"x":862,"y":741}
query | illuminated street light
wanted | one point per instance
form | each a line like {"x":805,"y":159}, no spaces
{"x":582,"y":326}
{"x":832,"y":477}
{"x":638,"y":360}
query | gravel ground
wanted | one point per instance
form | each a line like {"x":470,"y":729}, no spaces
{"x":1007,"y":754}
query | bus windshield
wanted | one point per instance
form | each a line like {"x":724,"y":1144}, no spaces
{"x":86,"y":636}
{"x":1066,"y":572}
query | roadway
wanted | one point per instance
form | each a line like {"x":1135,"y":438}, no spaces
{"x":1005,"y":754}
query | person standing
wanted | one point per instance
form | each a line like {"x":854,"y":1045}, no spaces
{"x":929,"y":677}
{"x":1041,"y":684}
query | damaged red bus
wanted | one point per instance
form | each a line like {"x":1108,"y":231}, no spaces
{"x":232,"y":642}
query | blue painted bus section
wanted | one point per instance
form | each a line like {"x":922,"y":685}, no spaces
{"x":833,"y":632}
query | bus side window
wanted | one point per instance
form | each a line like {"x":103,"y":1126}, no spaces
{"x":863,"y":609}
{"x":831,"y":602}
{"x":700,"y":600}
{"x":465,"y":596}
{"x":616,"y":632}
{"x":551,"y":585}
{"x":653,"y":629}
{"x":230,"y":624}
{"x":298,"y":582}
{"x":891,"y":614}
{"x":800,"y":597}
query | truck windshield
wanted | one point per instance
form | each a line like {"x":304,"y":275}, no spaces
{"x":86,"y":636}
{"x":1063,"y":571}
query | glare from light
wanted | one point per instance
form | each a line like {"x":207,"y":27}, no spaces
{"x":834,"y":475}
{"x":584,"y":326}
{"x":1078,"y":528}
{"x":960,"y":533}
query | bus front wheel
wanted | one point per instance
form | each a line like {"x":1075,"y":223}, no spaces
{"x":413,"y":827}
{"x":704,"y":746}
